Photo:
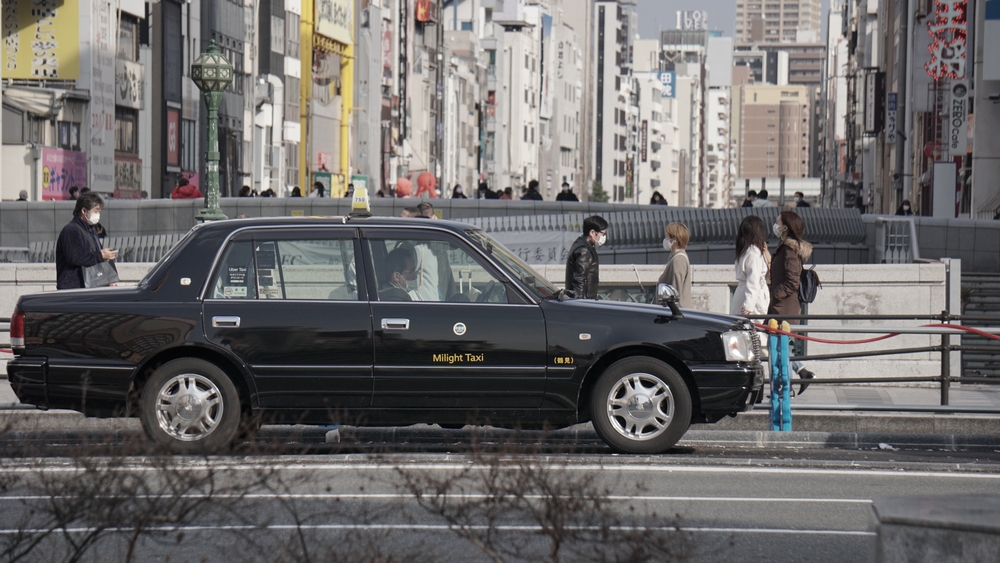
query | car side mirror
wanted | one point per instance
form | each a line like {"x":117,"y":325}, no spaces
{"x":667,"y":296}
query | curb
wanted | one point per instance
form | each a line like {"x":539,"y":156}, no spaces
{"x":579,"y":436}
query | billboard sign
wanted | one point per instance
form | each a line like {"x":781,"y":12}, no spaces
{"x":668,"y":79}
{"x":41,"y":40}
{"x":334,"y":19}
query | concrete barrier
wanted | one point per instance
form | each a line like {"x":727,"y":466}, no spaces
{"x":937,"y":529}
{"x":917,"y":289}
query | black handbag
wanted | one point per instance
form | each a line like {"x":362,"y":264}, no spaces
{"x":101,"y":274}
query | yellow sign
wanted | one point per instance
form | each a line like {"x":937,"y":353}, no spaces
{"x":334,"y":19}
{"x":563,"y":360}
{"x":41,"y":43}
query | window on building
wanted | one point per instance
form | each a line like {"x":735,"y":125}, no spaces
{"x":69,"y":135}
{"x":189,"y":144}
{"x":126,"y":130}
{"x":292,"y":93}
{"x":466,"y":26}
{"x":291,"y":163}
{"x":277,"y":35}
{"x":292,"y":33}
{"x":128,"y":38}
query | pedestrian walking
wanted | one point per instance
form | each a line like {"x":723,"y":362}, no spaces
{"x":786,"y":271}
{"x":751,"y":197}
{"x":582,"y":266}
{"x":317,"y":191}
{"x":677,"y":271}
{"x":78,"y":246}
{"x":761,"y":200}
{"x":567,"y":193}
{"x":245,"y":192}
{"x":457,"y":193}
{"x":508,"y":193}
{"x":800,"y":200}
{"x":753,"y":263}
{"x":296,"y":192}
{"x":657,"y":199}
{"x":904,"y":209}
{"x":184,"y":190}
{"x":22,"y":196}
{"x":532,"y":193}
{"x":74,"y":192}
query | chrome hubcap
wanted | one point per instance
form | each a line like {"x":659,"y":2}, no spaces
{"x":189,"y":407}
{"x":640,"y":406}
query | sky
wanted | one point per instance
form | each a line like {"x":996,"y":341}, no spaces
{"x":657,"y":15}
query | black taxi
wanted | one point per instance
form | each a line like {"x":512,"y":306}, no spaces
{"x":373,"y":322}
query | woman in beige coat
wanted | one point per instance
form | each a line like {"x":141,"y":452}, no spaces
{"x":677,"y":272}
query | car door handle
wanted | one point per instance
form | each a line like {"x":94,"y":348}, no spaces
{"x":225,"y":322}
{"x":395,"y":324}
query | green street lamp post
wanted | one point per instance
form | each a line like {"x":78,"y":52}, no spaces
{"x":212,"y":73}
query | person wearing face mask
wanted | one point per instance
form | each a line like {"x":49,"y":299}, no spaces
{"x":677,"y":272}
{"x":457,"y":192}
{"x":74,"y":250}
{"x":786,"y":269}
{"x":582,"y":266}
{"x":800,"y":200}
{"x":904,"y":208}
{"x":567,"y":193}
{"x":401,"y":274}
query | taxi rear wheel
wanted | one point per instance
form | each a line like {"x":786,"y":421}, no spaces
{"x":641,"y":406}
{"x":190,"y":406}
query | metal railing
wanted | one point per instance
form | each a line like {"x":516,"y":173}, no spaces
{"x":148,"y":248}
{"x":945,"y":348}
{"x":896,"y":241}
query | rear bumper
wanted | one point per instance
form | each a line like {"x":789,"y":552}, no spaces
{"x":27,"y":376}
{"x":95,"y":389}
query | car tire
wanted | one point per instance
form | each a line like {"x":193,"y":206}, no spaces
{"x":190,"y":406}
{"x":640,"y":406}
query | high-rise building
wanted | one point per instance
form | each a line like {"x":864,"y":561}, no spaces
{"x":773,"y":127}
{"x":777,"y":21}
{"x":615,"y":106}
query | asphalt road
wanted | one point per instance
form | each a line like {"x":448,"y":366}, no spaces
{"x":696,"y":503}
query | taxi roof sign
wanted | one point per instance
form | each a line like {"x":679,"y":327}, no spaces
{"x":359,"y":203}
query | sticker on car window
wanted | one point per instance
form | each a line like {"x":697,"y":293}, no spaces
{"x":237,"y":291}
{"x":237,"y":275}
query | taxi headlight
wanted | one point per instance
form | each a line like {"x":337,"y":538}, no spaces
{"x":739,"y":346}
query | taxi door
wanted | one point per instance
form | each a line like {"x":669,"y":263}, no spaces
{"x":457,"y":336}
{"x":288,"y":303}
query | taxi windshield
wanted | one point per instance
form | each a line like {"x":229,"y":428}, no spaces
{"x":530,"y":278}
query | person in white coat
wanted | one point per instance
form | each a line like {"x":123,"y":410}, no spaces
{"x":753,"y":262}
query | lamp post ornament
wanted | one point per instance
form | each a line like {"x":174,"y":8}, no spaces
{"x":212,"y":73}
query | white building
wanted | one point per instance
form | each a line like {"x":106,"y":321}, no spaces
{"x":614,"y":116}
{"x":657,"y":148}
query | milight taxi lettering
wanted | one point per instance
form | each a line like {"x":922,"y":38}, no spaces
{"x":458,"y":358}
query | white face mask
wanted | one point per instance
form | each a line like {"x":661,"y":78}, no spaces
{"x":776,"y":229}
{"x":406,"y":284}
{"x":95,"y":218}
{"x":906,"y":208}
{"x":602,"y":240}
{"x":668,"y":244}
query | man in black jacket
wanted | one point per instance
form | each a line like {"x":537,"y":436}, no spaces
{"x":532,"y":192}
{"x":582,"y":276}
{"x":78,"y":245}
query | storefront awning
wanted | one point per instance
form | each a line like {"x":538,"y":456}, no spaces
{"x":41,"y":102}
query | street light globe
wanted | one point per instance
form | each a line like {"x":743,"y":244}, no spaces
{"x":211,"y":71}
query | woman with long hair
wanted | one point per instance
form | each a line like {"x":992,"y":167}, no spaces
{"x":753,"y":262}
{"x":786,"y":267}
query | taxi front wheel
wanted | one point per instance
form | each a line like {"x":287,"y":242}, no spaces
{"x":190,"y":406}
{"x":641,"y":406}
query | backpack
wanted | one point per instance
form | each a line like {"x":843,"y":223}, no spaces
{"x":809,"y":284}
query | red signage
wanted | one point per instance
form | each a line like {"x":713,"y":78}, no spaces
{"x":948,"y":31}
{"x":427,"y":11}
{"x":173,"y":137}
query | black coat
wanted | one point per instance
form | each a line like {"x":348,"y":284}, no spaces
{"x":74,"y":252}
{"x":582,"y":277}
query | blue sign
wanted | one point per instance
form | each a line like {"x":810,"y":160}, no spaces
{"x":668,"y":78}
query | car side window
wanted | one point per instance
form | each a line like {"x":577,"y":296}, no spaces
{"x":235,"y":277}
{"x":320,"y":270}
{"x":432,"y":269}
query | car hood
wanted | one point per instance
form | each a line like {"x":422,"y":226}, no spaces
{"x":598,"y":307}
